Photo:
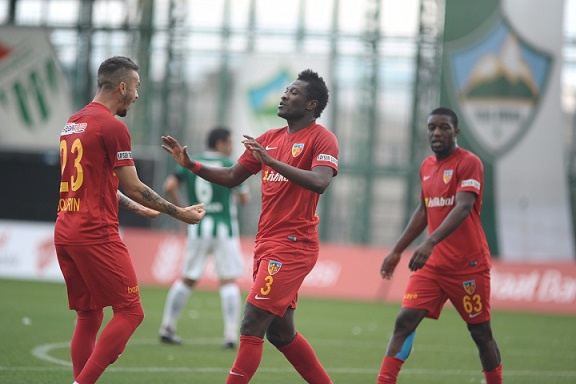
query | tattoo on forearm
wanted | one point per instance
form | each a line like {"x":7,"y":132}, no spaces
{"x":166,"y":207}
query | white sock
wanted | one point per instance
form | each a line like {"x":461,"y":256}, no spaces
{"x":230,"y":300}
{"x":175,"y":301}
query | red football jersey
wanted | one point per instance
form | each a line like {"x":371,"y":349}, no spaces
{"x":92,"y":144}
{"x":441,"y":180}
{"x":288,"y":210}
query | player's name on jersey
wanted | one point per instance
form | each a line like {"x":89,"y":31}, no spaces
{"x":69,"y":204}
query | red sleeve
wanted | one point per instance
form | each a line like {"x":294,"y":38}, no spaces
{"x":117,"y":143}
{"x":470,"y":175}
{"x":326,"y":151}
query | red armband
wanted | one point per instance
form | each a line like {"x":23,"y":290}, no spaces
{"x":196,"y":167}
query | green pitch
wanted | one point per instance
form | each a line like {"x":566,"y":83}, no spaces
{"x":349,"y":337}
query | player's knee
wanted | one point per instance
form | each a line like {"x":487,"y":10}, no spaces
{"x":134,"y":314}
{"x":279,"y":339}
{"x":481,"y":333}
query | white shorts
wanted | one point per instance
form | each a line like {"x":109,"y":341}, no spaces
{"x":225,"y":251}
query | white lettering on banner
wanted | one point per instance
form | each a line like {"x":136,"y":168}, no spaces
{"x":555,"y":288}
{"x":549,"y":286}
{"x":324,"y":274}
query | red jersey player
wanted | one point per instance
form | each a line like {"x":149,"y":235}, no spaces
{"x":453,"y":263}
{"x":95,"y":157}
{"x":297,"y":163}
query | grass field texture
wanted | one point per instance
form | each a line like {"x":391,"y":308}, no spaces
{"x":349,"y":337}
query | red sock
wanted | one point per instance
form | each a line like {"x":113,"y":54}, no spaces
{"x":494,"y":376}
{"x":301,"y":355}
{"x":247,"y":360}
{"x":112,"y":342}
{"x":389,"y":370}
{"x":84,"y":338}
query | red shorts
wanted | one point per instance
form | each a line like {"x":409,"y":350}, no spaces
{"x":98,"y":275}
{"x":278,"y":273}
{"x":469,"y":293}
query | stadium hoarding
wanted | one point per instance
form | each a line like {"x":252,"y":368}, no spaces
{"x":343,"y":271}
{"x":502,"y":75}
{"x":35,"y":100}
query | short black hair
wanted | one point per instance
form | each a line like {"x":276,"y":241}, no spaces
{"x":317,"y":89}
{"x":217,"y":134}
{"x":115,"y":70}
{"x":446,"y":112}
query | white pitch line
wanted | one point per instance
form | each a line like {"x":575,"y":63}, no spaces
{"x":42,"y":352}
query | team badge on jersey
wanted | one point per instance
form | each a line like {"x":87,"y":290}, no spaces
{"x":274,"y":267}
{"x":297,"y":149}
{"x":469,"y":286}
{"x":447,"y":175}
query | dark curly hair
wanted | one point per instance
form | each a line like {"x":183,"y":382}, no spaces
{"x":317,"y":89}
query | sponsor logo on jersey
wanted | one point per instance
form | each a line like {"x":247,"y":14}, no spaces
{"x":297,"y":149}
{"x":273,"y":176}
{"x":469,"y":286}
{"x":274,"y":267}
{"x":471,"y":183}
{"x":124,"y":155}
{"x":433,"y":202}
{"x":447,"y":175}
{"x":71,"y":128}
{"x":330,"y":158}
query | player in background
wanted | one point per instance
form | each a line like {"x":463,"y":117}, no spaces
{"x":453,"y":263}
{"x":96,"y":157}
{"x":217,"y":235}
{"x":297,"y":163}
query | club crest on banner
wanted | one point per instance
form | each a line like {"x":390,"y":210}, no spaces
{"x":447,"y":175}
{"x":469,"y":286}
{"x":274,"y":267}
{"x":498,"y":80}
{"x":297,"y":149}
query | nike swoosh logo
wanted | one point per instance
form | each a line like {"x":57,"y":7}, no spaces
{"x":474,"y":315}
{"x":425,"y":178}
{"x":235,"y":374}
{"x":269,"y":148}
{"x":261,"y":298}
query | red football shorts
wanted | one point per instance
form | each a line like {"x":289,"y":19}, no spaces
{"x":98,"y":275}
{"x":278,"y":273}
{"x":469,"y":293}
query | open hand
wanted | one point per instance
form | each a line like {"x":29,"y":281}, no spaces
{"x":179,"y":153}
{"x":257,"y":150}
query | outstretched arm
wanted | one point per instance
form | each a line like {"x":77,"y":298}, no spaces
{"x":143,"y":194}
{"x":316,"y":180}
{"x":227,"y":176}
{"x":125,"y":202}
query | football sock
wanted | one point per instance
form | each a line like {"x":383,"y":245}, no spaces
{"x":494,"y":376}
{"x":84,"y":338}
{"x":247,"y":360}
{"x":389,"y":370}
{"x":301,"y":355}
{"x":111,"y":342}
{"x":175,"y":301}
{"x":231,"y":303}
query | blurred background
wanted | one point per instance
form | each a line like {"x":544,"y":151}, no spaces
{"x":387,"y":64}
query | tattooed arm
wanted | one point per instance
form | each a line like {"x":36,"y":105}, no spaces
{"x":126,"y":202}
{"x":144,"y":195}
